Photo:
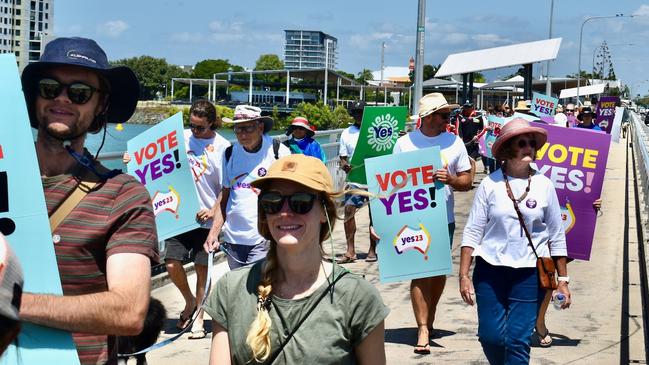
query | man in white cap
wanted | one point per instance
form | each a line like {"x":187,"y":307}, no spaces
{"x":434,"y":112}
{"x":244,"y":162}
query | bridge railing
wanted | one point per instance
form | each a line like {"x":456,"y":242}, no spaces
{"x":640,"y":133}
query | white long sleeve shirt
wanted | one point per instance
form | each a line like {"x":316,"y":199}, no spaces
{"x":494,"y":231}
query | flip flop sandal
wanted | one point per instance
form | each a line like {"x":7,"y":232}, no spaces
{"x":197,"y":334}
{"x":184,"y":321}
{"x":422,"y":349}
{"x":371,"y":258}
{"x":346,"y":260}
{"x":544,"y":340}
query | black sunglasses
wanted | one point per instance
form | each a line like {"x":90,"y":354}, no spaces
{"x":300,"y":203}
{"x":78,"y":92}
{"x":522,"y":143}
{"x":244,"y":129}
{"x":197,"y":128}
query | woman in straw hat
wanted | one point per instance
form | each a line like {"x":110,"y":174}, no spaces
{"x":505,"y":276}
{"x":295,"y":307}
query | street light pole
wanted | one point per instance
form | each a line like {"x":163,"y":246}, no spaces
{"x":581,"y":32}
{"x":548,"y":84}
{"x":419,"y":55}
{"x":326,"y":73}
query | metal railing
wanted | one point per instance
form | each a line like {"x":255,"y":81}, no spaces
{"x":331,"y":151}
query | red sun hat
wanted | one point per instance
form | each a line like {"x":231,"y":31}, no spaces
{"x":300,"y":122}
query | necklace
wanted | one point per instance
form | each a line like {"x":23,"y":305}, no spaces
{"x":509,"y":189}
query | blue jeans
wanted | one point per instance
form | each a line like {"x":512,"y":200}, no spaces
{"x":507,"y":308}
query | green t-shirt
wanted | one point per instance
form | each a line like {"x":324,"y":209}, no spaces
{"x":329,"y":334}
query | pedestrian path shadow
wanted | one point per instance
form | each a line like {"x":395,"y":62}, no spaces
{"x":171,"y":329}
{"x":559,"y":340}
{"x":408,"y":335}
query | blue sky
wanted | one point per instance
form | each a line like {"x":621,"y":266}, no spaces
{"x":185,"y":32}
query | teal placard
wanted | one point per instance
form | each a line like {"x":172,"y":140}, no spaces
{"x":543,"y":105}
{"x":159,"y":161}
{"x":378,"y":134}
{"x":409,"y":214}
{"x":24,"y":221}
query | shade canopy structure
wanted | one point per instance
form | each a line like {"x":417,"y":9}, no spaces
{"x":499,"y":57}
{"x":583,"y":90}
{"x":525,"y":54}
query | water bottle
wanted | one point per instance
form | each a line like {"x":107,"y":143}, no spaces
{"x":558,"y":299}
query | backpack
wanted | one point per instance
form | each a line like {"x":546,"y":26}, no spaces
{"x":276,"y":142}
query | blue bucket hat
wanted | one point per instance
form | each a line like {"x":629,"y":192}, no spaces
{"x":86,"y":53}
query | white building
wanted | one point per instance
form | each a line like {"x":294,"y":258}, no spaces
{"x":307,"y":49}
{"x":25,"y":27}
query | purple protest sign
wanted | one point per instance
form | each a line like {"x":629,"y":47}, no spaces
{"x":606,"y":112}
{"x":575,"y":160}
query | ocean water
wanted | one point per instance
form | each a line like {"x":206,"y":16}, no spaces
{"x":116,"y":141}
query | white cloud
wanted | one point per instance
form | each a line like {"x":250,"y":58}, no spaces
{"x":642,"y":14}
{"x":70,"y":30}
{"x":113,"y":28}
{"x":489,"y":38}
{"x":187,"y":37}
{"x":368,"y":41}
{"x":451,"y":38}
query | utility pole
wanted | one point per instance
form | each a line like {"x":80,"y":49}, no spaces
{"x":548,"y":84}
{"x":419,"y":55}
{"x":382,"y":59}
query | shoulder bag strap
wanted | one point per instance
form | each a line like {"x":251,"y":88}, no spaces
{"x":520,"y":217}
{"x":522,"y":222}
{"x":290,"y":336}
{"x":80,"y":191}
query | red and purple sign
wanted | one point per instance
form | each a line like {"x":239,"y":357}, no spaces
{"x":606,"y":112}
{"x":575,"y":160}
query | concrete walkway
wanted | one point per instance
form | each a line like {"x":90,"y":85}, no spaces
{"x":587,"y":333}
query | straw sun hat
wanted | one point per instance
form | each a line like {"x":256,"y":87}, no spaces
{"x":434,"y":102}
{"x":517,"y":127}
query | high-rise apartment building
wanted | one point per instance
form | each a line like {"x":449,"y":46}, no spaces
{"x":306,"y":49}
{"x":25,"y":27}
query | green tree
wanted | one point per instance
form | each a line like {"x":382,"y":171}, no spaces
{"x":321,"y":116}
{"x":365,"y":75}
{"x":153,"y":74}
{"x":205,"y":69}
{"x":584,"y":75}
{"x":429,"y":72}
{"x":479,"y":77}
{"x":269,"y":62}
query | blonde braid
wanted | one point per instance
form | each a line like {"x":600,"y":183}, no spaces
{"x":259,"y":333}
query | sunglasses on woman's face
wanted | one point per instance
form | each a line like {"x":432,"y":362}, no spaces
{"x":522,"y":143}
{"x":300,"y":203}
{"x":197,"y":128}
{"x":78,"y":92}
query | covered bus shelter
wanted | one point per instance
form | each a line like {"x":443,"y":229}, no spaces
{"x":525,"y":54}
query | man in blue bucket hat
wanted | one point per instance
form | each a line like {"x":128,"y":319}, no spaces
{"x":103,"y":228}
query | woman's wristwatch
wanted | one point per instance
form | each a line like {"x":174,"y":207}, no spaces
{"x":565,"y":279}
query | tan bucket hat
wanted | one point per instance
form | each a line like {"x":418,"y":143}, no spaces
{"x":516,"y":127}
{"x":304,"y":170}
{"x":434,"y":102}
